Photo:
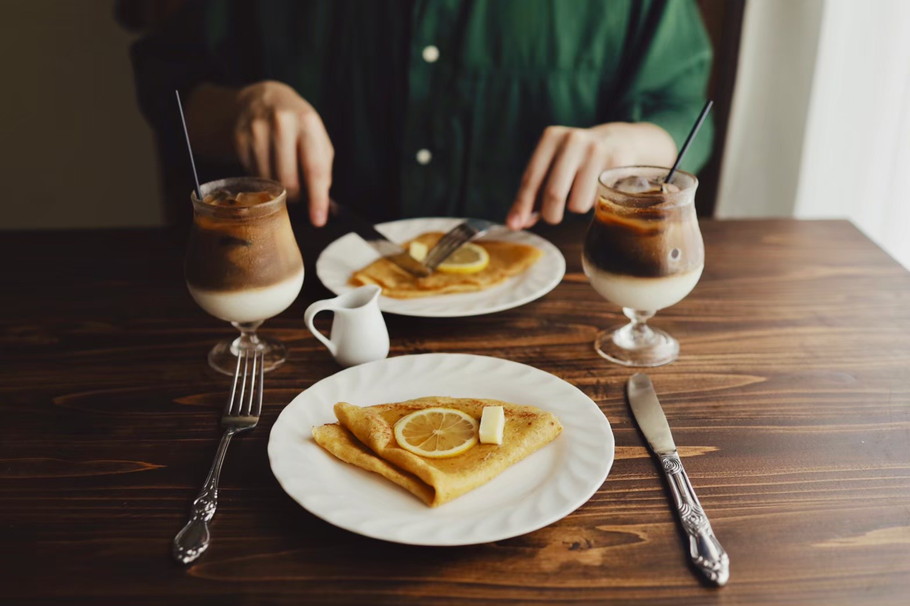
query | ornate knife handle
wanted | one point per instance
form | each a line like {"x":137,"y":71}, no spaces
{"x":705,"y":550}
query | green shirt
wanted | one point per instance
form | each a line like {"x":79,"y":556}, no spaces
{"x":435,"y":106}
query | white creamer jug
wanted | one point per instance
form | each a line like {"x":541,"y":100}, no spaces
{"x":359,"y":333}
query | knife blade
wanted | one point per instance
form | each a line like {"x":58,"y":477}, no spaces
{"x":381,"y":244}
{"x":705,"y":550}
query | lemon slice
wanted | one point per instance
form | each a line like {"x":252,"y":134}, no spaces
{"x":436,"y":433}
{"x":468,"y":259}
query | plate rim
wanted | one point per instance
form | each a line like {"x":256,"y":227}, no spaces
{"x":594,"y":479}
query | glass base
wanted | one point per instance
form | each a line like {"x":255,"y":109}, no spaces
{"x":624,"y":346}
{"x":223,"y":357}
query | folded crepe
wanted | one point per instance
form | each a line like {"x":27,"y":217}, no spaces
{"x":364,"y":437}
{"x":507,"y":259}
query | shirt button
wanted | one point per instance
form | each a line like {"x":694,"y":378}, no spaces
{"x":424,"y":156}
{"x":430,"y":54}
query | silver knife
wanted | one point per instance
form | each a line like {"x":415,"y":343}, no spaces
{"x":705,"y":550}
{"x":385,"y":247}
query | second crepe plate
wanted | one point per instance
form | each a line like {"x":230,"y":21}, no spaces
{"x":349,"y":253}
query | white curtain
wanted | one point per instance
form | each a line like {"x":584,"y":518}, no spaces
{"x":820,"y":126}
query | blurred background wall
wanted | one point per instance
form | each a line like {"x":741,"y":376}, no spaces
{"x":820,"y":120}
{"x":69,"y":123}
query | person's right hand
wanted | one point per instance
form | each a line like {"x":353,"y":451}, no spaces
{"x":279,"y":135}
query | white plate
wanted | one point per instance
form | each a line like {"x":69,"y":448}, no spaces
{"x":349,"y":253}
{"x":543,"y":488}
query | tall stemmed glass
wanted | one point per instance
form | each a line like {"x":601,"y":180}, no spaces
{"x":243,"y":264}
{"x":643,"y":251}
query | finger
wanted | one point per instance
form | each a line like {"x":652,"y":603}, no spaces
{"x":260,"y":136}
{"x":284,"y":148}
{"x":555,"y":189}
{"x":584,"y":188}
{"x":316,"y":157}
{"x":242,"y":144}
{"x":534,"y":174}
{"x":531,"y":220}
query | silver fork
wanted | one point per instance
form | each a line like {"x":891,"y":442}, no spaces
{"x":465,"y":231}
{"x":241,"y":413}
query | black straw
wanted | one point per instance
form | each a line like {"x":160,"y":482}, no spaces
{"x":685,"y":147}
{"x":188,"y":146}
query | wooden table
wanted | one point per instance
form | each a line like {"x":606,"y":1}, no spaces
{"x":791,"y":403}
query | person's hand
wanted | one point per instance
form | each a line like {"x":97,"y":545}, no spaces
{"x":278,"y":135}
{"x":563,"y":170}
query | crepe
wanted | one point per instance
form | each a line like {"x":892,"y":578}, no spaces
{"x":364,"y":437}
{"x":507,"y":259}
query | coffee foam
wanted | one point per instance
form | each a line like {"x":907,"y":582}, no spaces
{"x":250,"y":304}
{"x":645,"y":294}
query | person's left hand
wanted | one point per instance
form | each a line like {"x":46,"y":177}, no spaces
{"x":563,"y":170}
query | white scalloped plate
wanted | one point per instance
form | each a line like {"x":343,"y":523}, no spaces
{"x":541,"y":489}
{"x":349,"y":253}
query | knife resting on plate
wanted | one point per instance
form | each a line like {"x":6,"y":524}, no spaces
{"x":705,"y":550}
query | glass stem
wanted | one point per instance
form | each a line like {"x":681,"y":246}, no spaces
{"x":248,"y":340}
{"x":639,"y":330}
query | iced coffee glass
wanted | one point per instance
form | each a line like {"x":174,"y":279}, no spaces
{"x":243,"y":265}
{"x":643,"y":251}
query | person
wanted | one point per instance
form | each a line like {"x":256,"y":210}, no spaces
{"x":506,"y":110}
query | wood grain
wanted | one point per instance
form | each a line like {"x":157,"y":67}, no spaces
{"x":791,"y":403}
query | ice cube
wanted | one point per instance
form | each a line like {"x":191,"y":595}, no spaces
{"x":252,"y":198}
{"x":635,"y":184}
{"x":219,"y":197}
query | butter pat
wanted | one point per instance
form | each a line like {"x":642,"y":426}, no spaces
{"x":492,"y":423}
{"x":418,"y":251}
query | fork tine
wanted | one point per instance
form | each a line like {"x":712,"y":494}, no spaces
{"x":252,"y":405}
{"x":247,"y":384}
{"x":247,"y":391}
{"x":453,"y":234}
{"x":464,"y":232}
{"x":257,"y":404}
{"x":448,"y":243}
{"x":446,"y":249}
{"x":440,"y":245}
{"x":239,"y":376}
